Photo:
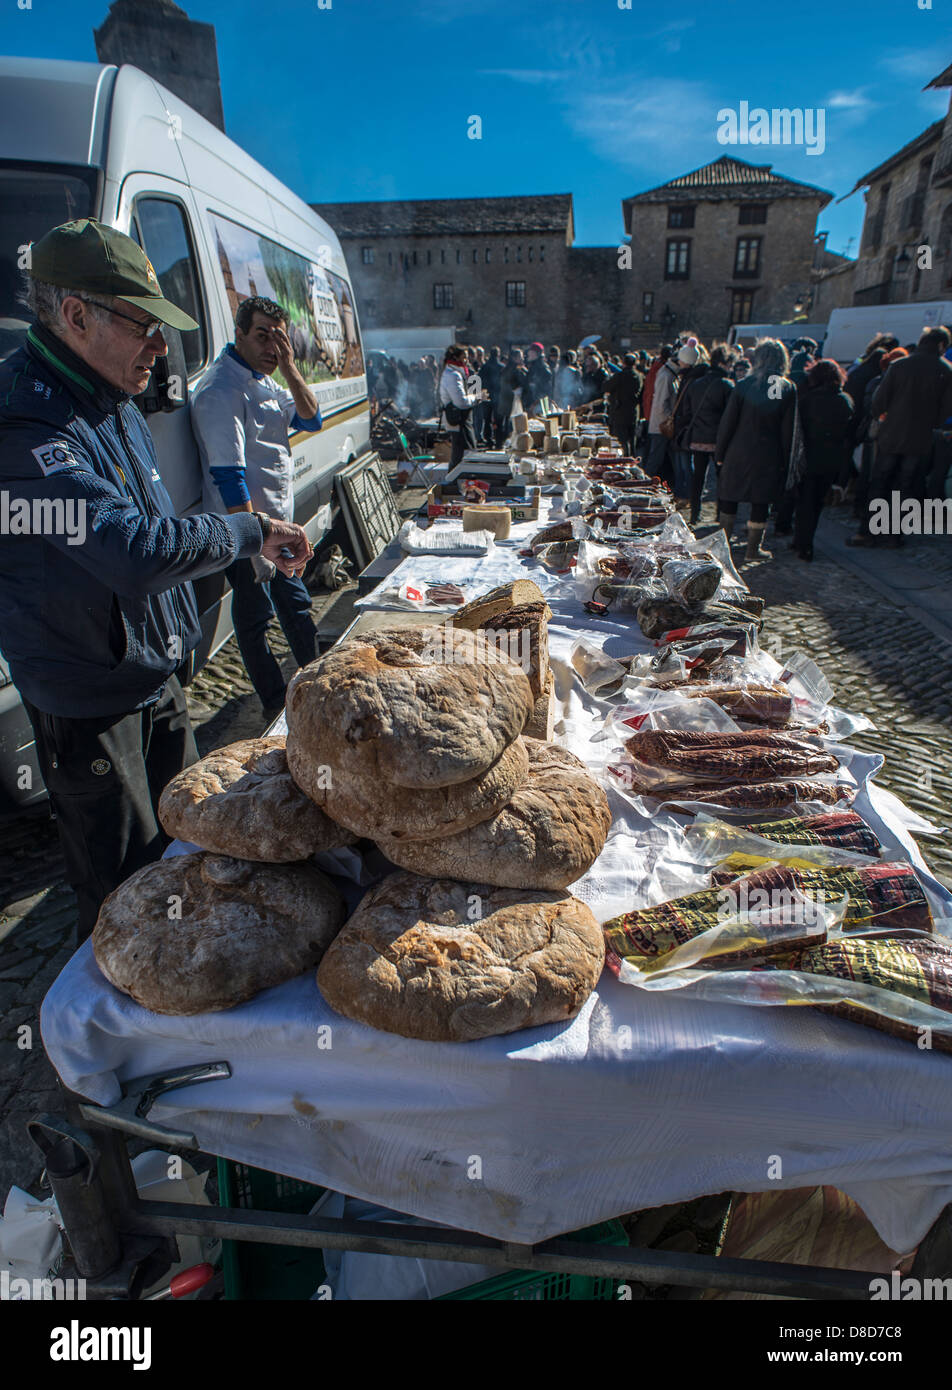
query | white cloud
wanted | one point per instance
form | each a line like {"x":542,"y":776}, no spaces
{"x":850,"y":101}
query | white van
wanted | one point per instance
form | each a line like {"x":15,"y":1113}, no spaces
{"x":852,"y":329}
{"x":745,"y":335}
{"x":89,"y":140}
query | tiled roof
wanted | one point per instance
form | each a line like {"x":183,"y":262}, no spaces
{"x":549,"y":212}
{"x":928,"y":137}
{"x":730,"y":178}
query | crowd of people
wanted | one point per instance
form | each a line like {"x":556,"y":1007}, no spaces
{"x":784,"y":430}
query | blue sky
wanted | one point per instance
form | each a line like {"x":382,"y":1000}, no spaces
{"x":371,"y":98}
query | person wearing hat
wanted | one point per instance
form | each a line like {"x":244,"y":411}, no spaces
{"x":94,"y":624}
{"x":538,"y":378}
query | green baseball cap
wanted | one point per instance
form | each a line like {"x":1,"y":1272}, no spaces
{"x":87,"y":255}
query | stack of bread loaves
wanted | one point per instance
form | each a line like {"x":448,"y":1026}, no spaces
{"x":420,"y":739}
{"x":415,"y":738}
{"x":201,"y":932}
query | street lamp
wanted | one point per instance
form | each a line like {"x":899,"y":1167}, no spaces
{"x":903,"y":261}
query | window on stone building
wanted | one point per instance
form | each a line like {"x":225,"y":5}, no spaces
{"x":414,"y":258}
{"x":389,"y":258}
{"x":742,"y":305}
{"x":443,"y":296}
{"x":367,"y":255}
{"x":406,"y":260}
{"x":505,"y":256}
{"x":442,"y":258}
{"x":681,"y":216}
{"x":530,"y":253}
{"x":747,"y":256}
{"x":429,"y":257}
{"x":487,"y":255}
{"x":518,"y":253}
{"x":752,"y":214}
{"x":459,"y":258}
{"x":541,"y":253}
{"x":677,"y":261}
{"x":515,"y":294}
{"x":475,"y":255}
{"x":647,"y":305}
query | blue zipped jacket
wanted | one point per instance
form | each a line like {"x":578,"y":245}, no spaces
{"x":96,"y":607}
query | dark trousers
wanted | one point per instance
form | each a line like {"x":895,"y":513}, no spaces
{"x":656,"y":463}
{"x":252,"y":608}
{"x":699,"y":465}
{"x":811,"y":493}
{"x":104,"y":776}
{"x":784,"y":511}
{"x":902,"y":473}
{"x":463,"y":438}
{"x":624,"y":428}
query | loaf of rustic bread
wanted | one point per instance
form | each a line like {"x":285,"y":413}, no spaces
{"x":477,"y":613}
{"x":241,"y":800}
{"x":548,"y":835}
{"x":372,"y":807}
{"x":523,"y":634}
{"x":452,"y":962}
{"x":541,"y":722}
{"x":413,"y":707}
{"x":197,"y":933}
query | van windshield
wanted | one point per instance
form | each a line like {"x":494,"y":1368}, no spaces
{"x":33,"y":198}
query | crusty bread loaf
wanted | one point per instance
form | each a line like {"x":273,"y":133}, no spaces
{"x":415,"y":707}
{"x":197,"y":933}
{"x":520,"y":423}
{"x":241,"y":800}
{"x":475,"y":614}
{"x":523,"y":442}
{"x":452,"y":962}
{"x":548,"y":835}
{"x":541,"y":722}
{"x":522,"y":634}
{"x":372,"y":807}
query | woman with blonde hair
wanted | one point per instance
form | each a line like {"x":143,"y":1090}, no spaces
{"x":755,"y":442}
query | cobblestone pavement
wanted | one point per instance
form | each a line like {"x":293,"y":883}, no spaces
{"x":878,"y":659}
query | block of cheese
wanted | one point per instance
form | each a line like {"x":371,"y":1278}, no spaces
{"x":603,"y":441}
{"x":488,"y":518}
{"x":520,"y":423}
{"x":552,"y":444}
{"x":568,"y":419}
{"x":584,"y":451}
{"x":552,"y":425}
{"x":569,"y":443}
{"x":522,"y":634}
{"x":475,"y":614}
{"x":542,"y":719}
{"x":523,"y":442}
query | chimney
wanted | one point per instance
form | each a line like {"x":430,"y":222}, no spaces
{"x":158,"y":37}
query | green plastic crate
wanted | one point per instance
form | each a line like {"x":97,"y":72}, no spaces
{"x":267,"y":1272}
{"x":525,"y":1285}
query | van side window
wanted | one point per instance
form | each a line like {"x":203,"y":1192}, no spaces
{"x":165,"y":238}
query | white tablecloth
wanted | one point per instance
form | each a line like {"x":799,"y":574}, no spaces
{"x":641,"y":1100}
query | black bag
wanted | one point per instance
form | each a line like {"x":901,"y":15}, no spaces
{"x":455,"y":415}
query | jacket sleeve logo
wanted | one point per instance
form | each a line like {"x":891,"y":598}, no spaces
{"x":55,"y":457}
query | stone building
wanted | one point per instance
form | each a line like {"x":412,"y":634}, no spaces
{"x":832,"y":287}
{"x":908,"y":208}
{"x":158,"y":37}
{"x":496,"y":269}
{"x":728,"y":243}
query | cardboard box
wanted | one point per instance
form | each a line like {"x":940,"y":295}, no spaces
{"x":446,"y":501}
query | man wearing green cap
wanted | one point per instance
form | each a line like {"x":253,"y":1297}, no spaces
{"x":95,"y":623}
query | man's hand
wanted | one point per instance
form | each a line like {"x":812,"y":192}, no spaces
{"x":286,"y":536}
{"x":282,"y":344}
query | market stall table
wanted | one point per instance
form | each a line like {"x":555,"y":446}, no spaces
{"x":641,"y":1100}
